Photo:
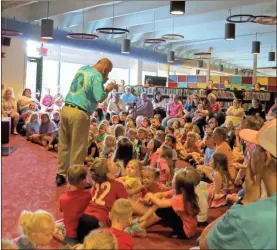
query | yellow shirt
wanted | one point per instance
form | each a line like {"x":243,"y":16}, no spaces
{"x":236,"y":119}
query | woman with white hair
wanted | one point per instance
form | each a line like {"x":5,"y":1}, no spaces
{"x":9,"y":108}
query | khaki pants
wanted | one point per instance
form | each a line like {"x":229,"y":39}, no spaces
{"x":73,"y":138}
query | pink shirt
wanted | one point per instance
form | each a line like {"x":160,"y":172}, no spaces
{"x":47,"y":100}
{"x":189,"y":220}
{"x":213,"y":108}
{"x":163,"y":167}
{"x":153,"y":158}
{"x":174,"y":108}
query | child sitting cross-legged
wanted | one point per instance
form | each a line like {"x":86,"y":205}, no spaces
{"x":93,"y":150}
{"x":121,"y":217}
{"x":74,"y":202}
{"x":37,"y":229}
{"x":104,"y":193}
{"x":131,"y":180}
{"x":222,"y":183}
{"x":177,"y":208}
{"x":32,"y":126}
{"x":151,"y":155}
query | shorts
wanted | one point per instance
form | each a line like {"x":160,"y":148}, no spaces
{"x":171,"y":219}
{"x":86,"y":224}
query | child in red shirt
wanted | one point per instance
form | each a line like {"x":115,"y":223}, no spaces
{"x":178,"y":208}
{"x":104,"y":193}
{"x":121,"y":217}
{"x":74,"y":202}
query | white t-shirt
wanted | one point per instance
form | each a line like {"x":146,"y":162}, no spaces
{"x":203,"y":205}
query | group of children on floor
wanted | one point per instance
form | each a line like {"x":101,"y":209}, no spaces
{"x":141,"y":174}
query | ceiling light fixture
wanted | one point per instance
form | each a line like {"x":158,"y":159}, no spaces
{"x":230,"y":30}
{"x":154,"y":40}
{"x":172,"y":37}
{"x":126,"y":46}
{"x":177,"y":7}
{"x":200,"y":64}
{"x":83,"y":35}
{"x":112,"y":30}
{"x":256,"y":46}
{"x":221,"y":68}
{"x":47,"y":26}
{"x":236,"y":72}
{"x":271,"y":56}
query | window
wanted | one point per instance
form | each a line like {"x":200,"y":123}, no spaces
{"x":147,"y":73}
{"x":50,"y":76}
{"x":119,"y":74}
{"x":67,"y":73}
{"x":31,"y":76}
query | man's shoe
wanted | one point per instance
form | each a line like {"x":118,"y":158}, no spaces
{"x":60,"y":180}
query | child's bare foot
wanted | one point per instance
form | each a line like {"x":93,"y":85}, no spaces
{"x":56,"y":147}
{"x":50,"y":147}
{"x":43,"y":143}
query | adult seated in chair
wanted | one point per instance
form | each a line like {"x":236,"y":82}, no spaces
{"x":128,"y":97}
{"x":115,"y":105}
{"x":9,"y":108}
{"x":174,"y":111}
{"x":144,"y":107}
{"x":25,"y":101}
{"x":235,"y":113}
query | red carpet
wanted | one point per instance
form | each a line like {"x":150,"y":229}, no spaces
{"x":28,"y":182}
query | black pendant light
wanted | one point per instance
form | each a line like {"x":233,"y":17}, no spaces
{"x":126,"y":46}
{"x":171,"y":57}
{"x":177,"y":7}
{"x":230,"y":30}
{"x":271,"y":56}
{"x":236,"y":72}
{"x":47,"y":26}
{"x":221,"y":68}
{"x":200,"y":64}
{"x":256,"y":46}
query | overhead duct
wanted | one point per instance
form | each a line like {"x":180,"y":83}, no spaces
{"x":32,"y":32}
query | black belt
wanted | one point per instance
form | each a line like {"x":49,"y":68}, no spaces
{"x":74,"y":106}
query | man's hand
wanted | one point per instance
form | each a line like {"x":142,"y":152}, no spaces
{"x":110,"y":87}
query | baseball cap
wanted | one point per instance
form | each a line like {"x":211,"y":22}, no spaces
{"x":265,"y":137}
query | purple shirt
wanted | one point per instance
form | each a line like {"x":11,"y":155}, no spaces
{"x":145,"y":109}
{"x":47,"y":128}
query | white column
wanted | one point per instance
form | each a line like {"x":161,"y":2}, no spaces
{"x":209,"y":66}
{"x":135,"y":72}
{"x":255,"y":62}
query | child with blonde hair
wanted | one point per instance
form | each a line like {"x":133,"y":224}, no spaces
{"x":32,"y":126}
{"x":99,"y":239}
{"x":104,"y":193}
{"x":121,"y":217}
{"x":131,"y":180}
{"x":74,"y":202}
{"x":37,"y":229}
{"x":108,"y":147}
{"x":102,"y":133}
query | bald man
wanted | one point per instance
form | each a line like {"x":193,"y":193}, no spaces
{"x":86,"y":91}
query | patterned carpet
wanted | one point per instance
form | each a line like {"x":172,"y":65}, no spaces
{"x":28,"y":182}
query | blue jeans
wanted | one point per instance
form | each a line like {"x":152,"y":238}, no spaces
{"x":70,"y":241}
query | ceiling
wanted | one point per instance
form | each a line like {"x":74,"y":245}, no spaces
{"x":202,"y":25}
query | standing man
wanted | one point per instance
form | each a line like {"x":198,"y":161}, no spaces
{"x":86,"y":91}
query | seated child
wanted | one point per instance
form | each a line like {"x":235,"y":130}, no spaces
{"x":56,"y":118}
{"x":108,"y":147}
{"x":160,"y":135}
{"x":102,"y":133}
{"x":182,"y":121}
{"x":199,"y":114}
{"x":121,"y":217}
{"x":188,"y":128}
{"x":176,"y":124}
{"x":114,"y":121}
{"x":74,"y":202}
{"x":177,"y":208}
{"x":37,"y":229}
{"x":169,"y":131}
{"x":170,"y":141}
{"x":165,"y":164}
{"x":222,"y":183}
{"x":132,"y":135}
{"x":93,"y":151}
{"x":145,"y":123}
{"x":131,"y":180}
{"x":191,"y":144}
{"x":155,"y":123}
{"x":99,"y":239}
{"x":151,"y":155}
{"x":231,"y":136}
{"x":46,"y":130}
{"x":104,"y":193}
{"x":119,"y":131}
{"x":142,"y":142}
{"x":122,"y":117}
{"x":32,"y":126}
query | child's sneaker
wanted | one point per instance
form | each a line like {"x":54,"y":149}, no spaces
{"x":137,"y":231}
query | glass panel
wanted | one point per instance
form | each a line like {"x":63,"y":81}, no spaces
{"x":31,"y":76}
{"x":148,"y":73}
{"x":119,"y":74}
{"x":50,"y":76}
{"x":67,"y":73}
